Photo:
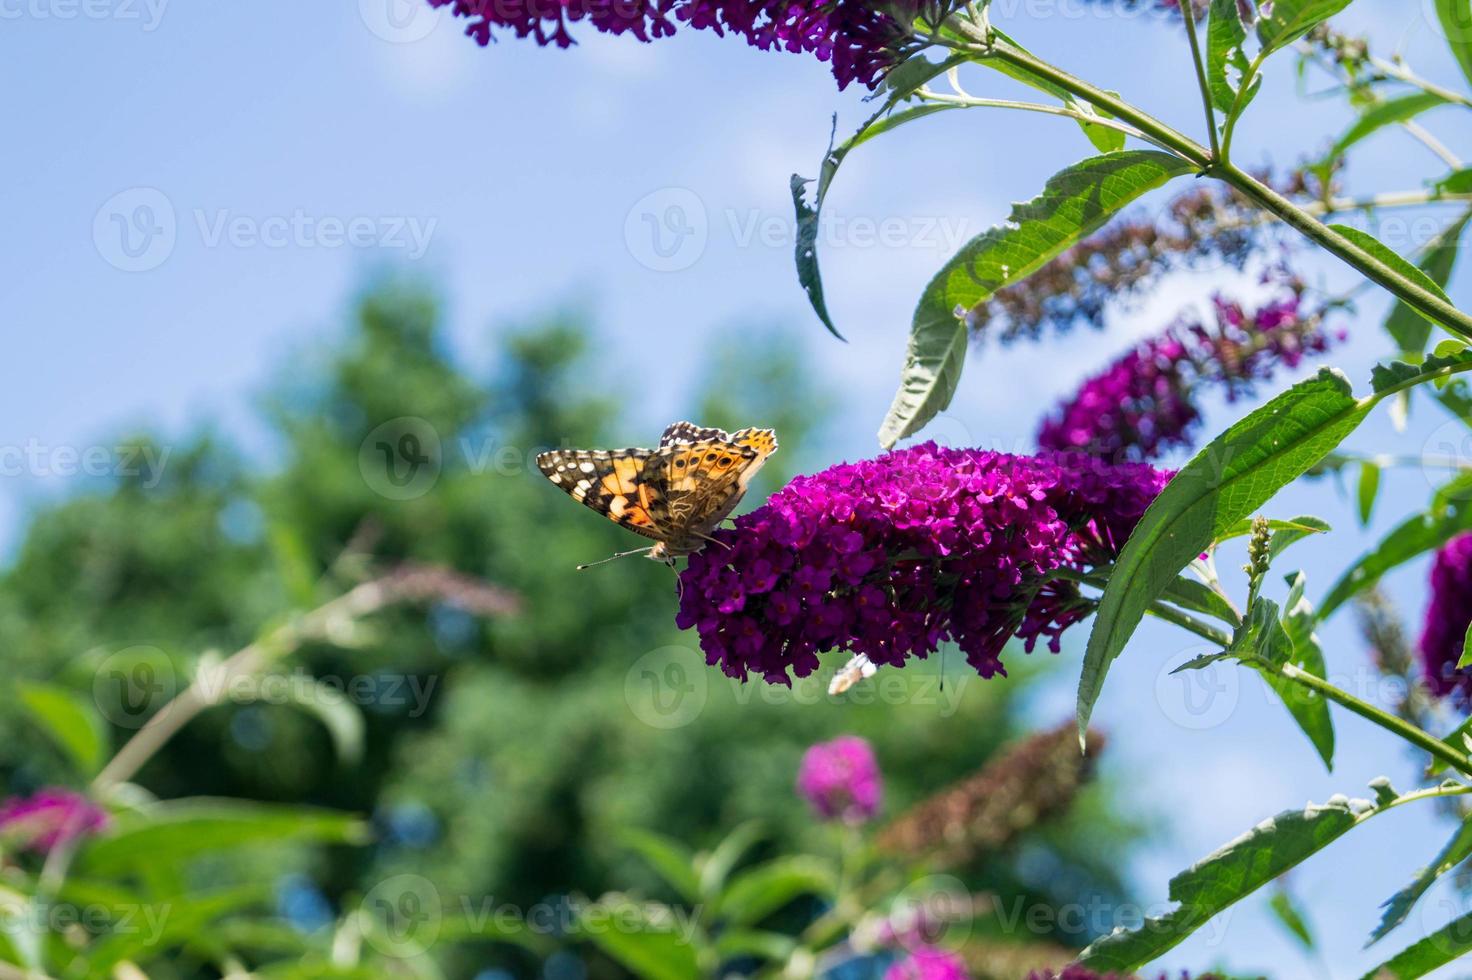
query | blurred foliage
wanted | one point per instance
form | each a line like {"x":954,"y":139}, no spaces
{"x":502,"y":759}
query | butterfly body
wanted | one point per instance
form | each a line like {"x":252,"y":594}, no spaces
{"x":675,"y":494}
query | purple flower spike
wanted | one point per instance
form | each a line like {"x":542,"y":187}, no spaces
{"x":841,"y":780}
{"x":892,"y":556}
{"x":928,"y":963}
{"x":1447,"y":617}
{"x":50,"y":817}
{"x":1144,"y":404}
{"x":861,"y":39}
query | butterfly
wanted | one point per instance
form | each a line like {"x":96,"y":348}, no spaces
{"x":676,"y":494}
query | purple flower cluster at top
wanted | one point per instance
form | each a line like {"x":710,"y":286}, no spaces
{"x":889,"y":557}
{"x":928,"y":963}
{"x":1144,"y":404}
{"x":861,"y":38}
{"x":1447,"y":617}
{"x":840,"y":779}
{"x":51,"y":816}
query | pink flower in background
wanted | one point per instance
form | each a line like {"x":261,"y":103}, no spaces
{"x":49,"y":817}
{"x":928,"y":963}
{"x":1447,"y":616}
{"x":840,"y":778}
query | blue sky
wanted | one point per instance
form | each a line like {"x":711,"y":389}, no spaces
{"x":267,"y":134}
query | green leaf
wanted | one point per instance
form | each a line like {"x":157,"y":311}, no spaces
{"x":329,"y":705}
{"x":1292,"y":919}
{"x":1456,"y":182}
{"x":1224,"y":878}
{"x":1226,"y":481}
{"x":899,"y":85}
{"x":1285,"y":533}
{"x":1456,"y":26}
{"x":173,"y":832}
{"x":653,"y":951}
{"x":1309,"y":708}
{"x":1409,"y":328}
{"x":184,"y":924}
{"x":1437,"y":949}
{"x":1225,"y":35}
{"x":1418,"y":534}
{"x":1198,"y":597}
{"x":1402,"y":374}
{"x":717,"y":866}
{"x":1381,"y":114}
{"x":1401,"y":267}
{"x":673,"y":861}
{"x":70,"y":721}
{"x":1075,"y":202}
{"x":757,"y":893}
{"x":1460,"y":740}
{"x":1399,"y":905}
{"x":1289,"y":20}
{"x":1466,"y":658}
{"x":755,"y":942}
{"x":1368,"y":490}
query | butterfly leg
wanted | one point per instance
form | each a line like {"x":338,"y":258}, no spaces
{"x":621,"y":554}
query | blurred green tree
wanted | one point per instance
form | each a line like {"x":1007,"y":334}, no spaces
{"x":501,"y":759}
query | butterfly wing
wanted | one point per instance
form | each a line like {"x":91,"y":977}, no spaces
{"x":689,"y":432}
{"x":616,"y":484}
{"x":674,"y":494}
{"x":706,"y":480}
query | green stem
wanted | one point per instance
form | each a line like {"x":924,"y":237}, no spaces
{"x":1204,"y":630}
{"x":1238,"y":104}
{"x":1398,"y":726}
{"x":1188,"y":14}
{"x":1161,"y":134}
{"x":1413,"y":295}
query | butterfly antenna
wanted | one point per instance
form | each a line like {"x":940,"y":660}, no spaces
{"x":707,"y":537}
{"x":621,"y":554}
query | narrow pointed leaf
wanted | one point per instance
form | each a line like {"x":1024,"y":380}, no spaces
{"x":1288,"y":20}
{"x":1226,"y":482}
{"x":1399,"y":905}
{"x":900,"y":84}
{"x":1075,"y":202}
{"x":1225,"y":877}
{"x":1409,"y":328}
{"x":1381,"y":114}
{"x":1378,"y":249}
{"x":1225,"y":35}
{"x":1455,"y":17}
{"x":1436,"y":950}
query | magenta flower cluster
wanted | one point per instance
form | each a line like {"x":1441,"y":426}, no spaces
{"x":928,"y":963}
{"x":861,"y":38}
{"x":1145,"y":404}
{"x":890,"y":557}
{"x":840,"y":780}
{"x":1447,"y":617}
{"x":50,"y":817}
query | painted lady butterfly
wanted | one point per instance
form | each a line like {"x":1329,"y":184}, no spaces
{"x":675,"y":494}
